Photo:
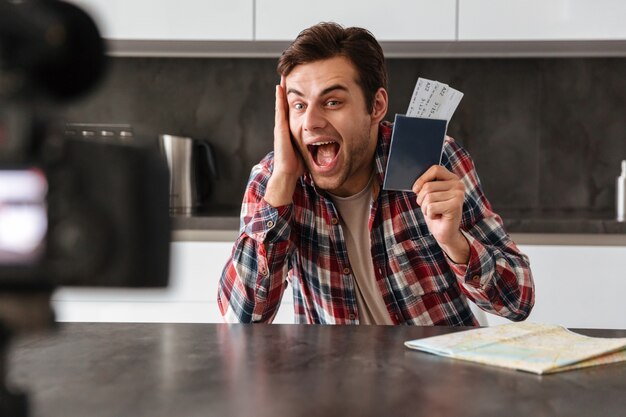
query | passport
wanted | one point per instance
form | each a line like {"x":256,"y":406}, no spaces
{"x":416,"y":145}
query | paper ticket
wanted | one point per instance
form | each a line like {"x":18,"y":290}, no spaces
{"x":433,"y":100}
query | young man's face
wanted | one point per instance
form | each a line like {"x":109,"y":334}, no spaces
{"x":335,"y":132}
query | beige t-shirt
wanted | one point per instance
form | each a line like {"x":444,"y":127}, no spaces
{"x":354,"y":213}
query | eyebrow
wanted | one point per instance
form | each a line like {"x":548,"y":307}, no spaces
{"x":324,"y":92}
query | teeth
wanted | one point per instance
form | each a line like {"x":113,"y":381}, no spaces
{"x":323,"y":143}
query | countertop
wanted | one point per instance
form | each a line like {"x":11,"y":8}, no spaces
{"x":561,"y":221}
{"x":112,"y":370}
{"x":515,"y":221}
{"x":557,"y":227}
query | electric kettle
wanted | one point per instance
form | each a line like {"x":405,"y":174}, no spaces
{"x":186,"y":158}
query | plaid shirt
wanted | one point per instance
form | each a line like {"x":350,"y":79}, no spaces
{"x":303,"y":244}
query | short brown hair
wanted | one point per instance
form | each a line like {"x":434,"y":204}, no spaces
{"x":327,"y":40}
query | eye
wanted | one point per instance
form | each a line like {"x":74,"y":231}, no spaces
{"x":298,"y":106}
{"x":332,"y":103}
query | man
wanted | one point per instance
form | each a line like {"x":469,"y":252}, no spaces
{"x":314,"y":214}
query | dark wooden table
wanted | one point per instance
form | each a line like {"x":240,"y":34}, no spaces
{"x":287,"y":370}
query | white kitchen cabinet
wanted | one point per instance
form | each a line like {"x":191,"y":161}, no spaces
{"x":172,"y":20}
{"x":418,"y":28}
{"x":576,"y":286}
{"x":392,"y":20}
{"x":540,"y":20}
{"x":190,"y":297}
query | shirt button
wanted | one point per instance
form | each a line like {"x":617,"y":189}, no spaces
{"x":270,"y":224}
{"x":352,"y":316}
{"x":346,"y":270}
{"x":476,"y":278}
{"x":334,"y":220}
{"x":264,"y":272}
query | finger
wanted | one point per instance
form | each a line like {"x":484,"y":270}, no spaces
{"x":434,"y":173}
{"x":278,"y":100}
{"x":451,"y":197}
{"x":281,"y":125}
{"x":440,"y":208}
{"x":439,"y":186}
{"x":433,"y":187}
{"x":439,"y":196}
{"x":280,"y":111}
{"x":283,"y":85}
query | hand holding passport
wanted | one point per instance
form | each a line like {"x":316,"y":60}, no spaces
{"x":417,"y":138}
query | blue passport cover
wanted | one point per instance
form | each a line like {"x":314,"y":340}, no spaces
{"x":416,"y":145}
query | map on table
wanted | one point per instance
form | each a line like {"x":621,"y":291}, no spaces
{"x":530,"y":347}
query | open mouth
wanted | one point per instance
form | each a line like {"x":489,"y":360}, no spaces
{"x":324,"y":153}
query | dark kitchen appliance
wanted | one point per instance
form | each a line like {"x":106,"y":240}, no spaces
{"x":192,"y":168}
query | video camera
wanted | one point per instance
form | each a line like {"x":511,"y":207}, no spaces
{"x":77,"y":212}
{"x":73,"y":211}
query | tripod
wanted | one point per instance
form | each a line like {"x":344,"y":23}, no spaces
{"x":12,"y":404}
{"x":21,"y":311}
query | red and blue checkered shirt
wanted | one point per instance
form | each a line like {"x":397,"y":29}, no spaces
{"x":302,"y":244}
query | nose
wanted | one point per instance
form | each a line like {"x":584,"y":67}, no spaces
{"x":314,"y":119}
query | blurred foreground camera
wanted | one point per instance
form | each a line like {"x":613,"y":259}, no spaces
{"x":97,"y":215}
{"x":72,"y":211}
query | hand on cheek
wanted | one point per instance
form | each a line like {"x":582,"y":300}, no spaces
{"x":288,"y":164}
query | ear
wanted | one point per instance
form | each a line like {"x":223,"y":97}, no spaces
{"x":379,"y":107}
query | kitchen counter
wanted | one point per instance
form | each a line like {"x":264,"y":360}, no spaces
{"x":205,"y":222}
{"x":526,"y":227}
{"x":107,"y":370}
{"x":515,"y":221}
{"x":561,"y":221}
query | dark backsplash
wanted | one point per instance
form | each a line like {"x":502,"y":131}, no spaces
{"x":547,"y":135}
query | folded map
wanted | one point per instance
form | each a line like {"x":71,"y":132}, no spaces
{"x":530,"y":347}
